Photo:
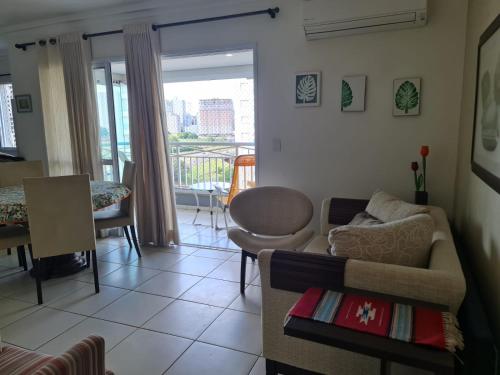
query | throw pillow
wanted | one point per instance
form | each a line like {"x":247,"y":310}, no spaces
{"x":405,"y":242}
{"x":388,"y":208}
{"x":364,"y":218}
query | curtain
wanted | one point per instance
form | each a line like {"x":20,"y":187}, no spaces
{"x":155,"y":195}
{"x":55,"y":111}
{"x":82,"y":113}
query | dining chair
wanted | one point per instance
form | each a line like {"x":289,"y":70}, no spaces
{"x":243,"y":179}
{"x":11,"y":174}
{"x":124,"y":216}
{"x":60,"y":220}
{"x":15,"y":236}
{"x":270,"y":217}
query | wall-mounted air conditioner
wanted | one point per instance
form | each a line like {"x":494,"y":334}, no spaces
{"x":331,"y":18}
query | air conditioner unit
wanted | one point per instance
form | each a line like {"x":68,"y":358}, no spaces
{"x":331,"y":18}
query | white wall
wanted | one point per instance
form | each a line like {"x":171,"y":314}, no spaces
{"x":477,"y":215}
{"x":326,"y":152}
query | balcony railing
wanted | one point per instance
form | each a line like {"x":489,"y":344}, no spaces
{"x":205,"y":162}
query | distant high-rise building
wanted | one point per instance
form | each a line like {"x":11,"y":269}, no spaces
{"x":216,"y":117}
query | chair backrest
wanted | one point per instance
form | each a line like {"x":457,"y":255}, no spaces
{"x":128,"y":179}
{"x":271,"y":210}
{"x":12,"y":173}
{"x":60,"y":215}
{"x":243,"y":175}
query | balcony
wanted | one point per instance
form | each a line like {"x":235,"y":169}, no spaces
{"x":209,"y":164}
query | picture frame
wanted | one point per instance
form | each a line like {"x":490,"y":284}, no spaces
{"x":353,"y":93}
{"x":485,"y":153}
{"x":307,"y":89}
{"x":23,"y":103}
{"x":406,"y":97}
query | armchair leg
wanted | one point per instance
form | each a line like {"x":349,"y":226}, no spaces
{"x":87,"y":259}
{"x":9,"y":251}
{"x":225,"y":217}
{"x":36,"y":265}
{"x":125,"y":229}
{"x":94,"y":268}
{"x":243,"y":271}
{"x":21,"y":253}
{"x":136,"y":243}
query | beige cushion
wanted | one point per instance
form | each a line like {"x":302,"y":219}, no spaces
{"x":405,"y":242}
{"x":388,"y":208}
{"x":364,"y":218}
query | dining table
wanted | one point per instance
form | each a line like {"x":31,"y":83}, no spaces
{"x":13,"y":210}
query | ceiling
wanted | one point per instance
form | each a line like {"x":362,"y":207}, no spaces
{"x":23,"y":11}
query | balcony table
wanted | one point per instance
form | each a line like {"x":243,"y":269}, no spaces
{"x":13,"y":210}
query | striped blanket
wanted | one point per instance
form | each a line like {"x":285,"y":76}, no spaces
{"x":397,"y":321}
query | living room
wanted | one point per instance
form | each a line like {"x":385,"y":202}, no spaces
{"x":333,"y":142}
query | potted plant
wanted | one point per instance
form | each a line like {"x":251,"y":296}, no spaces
{"x":421,"y":195}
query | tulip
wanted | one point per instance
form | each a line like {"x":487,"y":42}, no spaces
{"x":424,"y":151}
{"x":414,"y":166}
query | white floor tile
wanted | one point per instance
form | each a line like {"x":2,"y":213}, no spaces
{"x":104,"y":268}
{"x":181,"y":249}
{"x":122,"y":255}
{"x":250,"y":302}
{"x":160,"y":260}
{"x":134,"y":308}
{"x":235,"y":330}
{"x":85,"y":301}
{"x":207,"y":359}
{"x":196,"y":266}
{"x":230,"y":271}
{"x":260,"y":367}
{"x":146,"y":352}
{"x":169,"y":284}
{"x":213,"y":292}
{"x":112,"y":333}
{"x":214,"y":254}
{"x":128,"y":277}
{"x":36,"y":329}
{"x":185,"y":319}
{"x":12,"y":310}
{"x":51,"y":290}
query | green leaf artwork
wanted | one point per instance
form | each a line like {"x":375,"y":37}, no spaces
{"x":346,"y":95}
{"x":307,"y":89}
{"x":407,"y":96}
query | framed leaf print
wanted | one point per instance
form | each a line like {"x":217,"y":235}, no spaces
{"x":486,"y":141}
{"x":353,"y":94}
{"x":308,"y":89}
{"x":406,"y":97}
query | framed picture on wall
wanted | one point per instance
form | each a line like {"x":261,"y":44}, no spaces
{"x":23,"y":103}
{"x":308,"y":89}
{"x":406,"y":97}
{"x":352,"y":97}
{"x":486,"y":140}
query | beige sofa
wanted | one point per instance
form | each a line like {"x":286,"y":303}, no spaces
{"x":441,"y":283}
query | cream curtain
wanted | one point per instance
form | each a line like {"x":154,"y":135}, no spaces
{"x":82,"y":113}
{"x":55,"y":111}
{"x":157,"y":222}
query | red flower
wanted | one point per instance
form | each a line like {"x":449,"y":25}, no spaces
{"x":414,"y":166}
{"x":424,"y":151}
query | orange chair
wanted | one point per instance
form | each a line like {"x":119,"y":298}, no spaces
{"x":243,"y":179}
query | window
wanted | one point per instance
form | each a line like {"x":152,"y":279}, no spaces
{"x":7,"y":134}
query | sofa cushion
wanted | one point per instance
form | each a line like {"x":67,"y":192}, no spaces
{"x":364,"y":218}
{"x":388,"y":208}
{"x":405,"y":242}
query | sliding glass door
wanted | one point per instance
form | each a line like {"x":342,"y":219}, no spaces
{"x":112,"y":107}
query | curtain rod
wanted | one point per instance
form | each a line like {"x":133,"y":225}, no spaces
{"x":272,"y":12}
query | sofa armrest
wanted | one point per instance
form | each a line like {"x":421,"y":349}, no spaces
{"x":85,"y":358}
{"x":427,"y":285}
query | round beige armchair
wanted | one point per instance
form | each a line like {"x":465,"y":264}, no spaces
{"x":269,"y":217}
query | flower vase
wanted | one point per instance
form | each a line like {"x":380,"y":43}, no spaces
{"x":421,"y":197}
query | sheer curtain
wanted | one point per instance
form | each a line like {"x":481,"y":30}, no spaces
{"x":80,"y":97}
{"x":157,"y":222}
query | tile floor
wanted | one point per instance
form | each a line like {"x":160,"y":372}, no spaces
{"x":141,"y":310}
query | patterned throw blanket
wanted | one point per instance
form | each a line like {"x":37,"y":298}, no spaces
{"x":397,"y":321}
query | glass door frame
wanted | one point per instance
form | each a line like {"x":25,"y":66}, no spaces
{"x":106,"y":65}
